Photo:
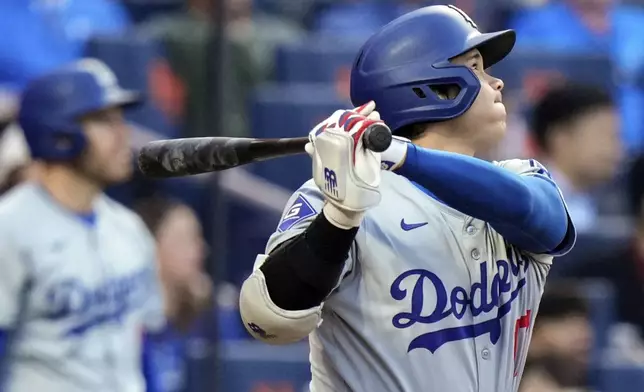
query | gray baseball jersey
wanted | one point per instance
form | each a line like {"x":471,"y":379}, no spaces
{"x":431,"y":299}
{"x":76,"y":294}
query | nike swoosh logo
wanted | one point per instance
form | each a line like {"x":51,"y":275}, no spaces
{"x":410,"y":226}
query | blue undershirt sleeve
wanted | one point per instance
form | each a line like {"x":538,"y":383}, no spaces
{"x":526,"y":208}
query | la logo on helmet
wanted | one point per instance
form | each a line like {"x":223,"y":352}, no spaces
{"x":103,"y":75}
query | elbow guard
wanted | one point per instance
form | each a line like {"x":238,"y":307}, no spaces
{"x":266,"y":321}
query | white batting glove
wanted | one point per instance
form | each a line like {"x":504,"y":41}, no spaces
{"x":346,"y":173}
{"x":395,"y":155}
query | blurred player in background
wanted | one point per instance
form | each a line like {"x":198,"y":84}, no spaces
{"x":559,"y":355}
{"x":427,"y":275}
{"x":79,"y":285}
{"x":181,"y":253}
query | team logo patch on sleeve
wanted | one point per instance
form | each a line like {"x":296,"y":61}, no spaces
{"x":297,"y":212}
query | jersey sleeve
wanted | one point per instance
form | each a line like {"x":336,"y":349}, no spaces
{"x":302,"y":208}
{"x":13,"y":282}
{"x":531,"y":167}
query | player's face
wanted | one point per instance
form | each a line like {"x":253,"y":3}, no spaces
{"x":485,"y":121}
{"x":181,"y":246}
{"x":108,"y":157}
{"x":597,"y":145}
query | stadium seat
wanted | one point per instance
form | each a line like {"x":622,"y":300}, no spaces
{"x":143,"y":10}
{"x":622,"y":379}
{"x":254,"y":366}
{"x":290,"y":111}
{"x":517,"y":69}
{"x":317,"y":60}
{"x":133,"y":59}
{"x":587,"y":247}
{"x":601,"y":299}
{"x":322,"y":60}
{"x":248,"y":229}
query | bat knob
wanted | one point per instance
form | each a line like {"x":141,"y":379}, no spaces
{"x":377,"y":138}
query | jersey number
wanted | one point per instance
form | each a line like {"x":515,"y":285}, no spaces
{"x":522,"y":322}
{"x":293,"y":212}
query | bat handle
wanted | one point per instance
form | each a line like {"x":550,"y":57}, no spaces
{"x":377,"y":138}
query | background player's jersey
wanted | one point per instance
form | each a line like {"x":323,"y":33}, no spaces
{"x":77,"y":294}
{"x":431,"y":299}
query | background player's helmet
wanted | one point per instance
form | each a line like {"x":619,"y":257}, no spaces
{"x":52,"y":105}
{"x":402,"y":64}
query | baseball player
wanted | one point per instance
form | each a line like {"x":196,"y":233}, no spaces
{"x":421,"y":268}
{"x":78,"y":285}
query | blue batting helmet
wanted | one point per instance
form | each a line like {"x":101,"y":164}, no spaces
{"x":400,"y":65}
{"x":52,"y":105}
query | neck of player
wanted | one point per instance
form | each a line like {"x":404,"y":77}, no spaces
{"x":442,"y":140}
{"x":70,"y":188}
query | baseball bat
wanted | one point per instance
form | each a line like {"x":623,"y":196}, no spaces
{"x":189,"y":156}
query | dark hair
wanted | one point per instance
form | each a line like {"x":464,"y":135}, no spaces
{"x":561,"y":299}
{"x":562,"y":105}
{"x":635,"y":186}
{"x":412,"y":131}
{"x":154,"y":210}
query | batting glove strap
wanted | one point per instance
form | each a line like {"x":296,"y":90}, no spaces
{"x":394,"y":157}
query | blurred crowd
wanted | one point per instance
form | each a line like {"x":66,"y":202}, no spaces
{"x":575,"y":97}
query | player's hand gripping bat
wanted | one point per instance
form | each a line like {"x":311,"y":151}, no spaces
{"x":189,"y":156}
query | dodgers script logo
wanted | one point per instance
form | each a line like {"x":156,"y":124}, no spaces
{"x":482,"y":297}
{"x":87,"y":307}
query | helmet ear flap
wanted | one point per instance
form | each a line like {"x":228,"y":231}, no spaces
{"x":68,"y":143}
{"x":56,"y":143}
{"x":442,"y":92}
{"x":448,"y":94}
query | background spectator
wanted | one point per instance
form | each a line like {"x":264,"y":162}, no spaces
{"x":593,"y":28}
{"x":181,"y":251}
{"x":187,"y":37}
{"x":559,"y":354}
{"x":181,"y":254}
{"x":583,"y":117}
{"x":624,"y":267}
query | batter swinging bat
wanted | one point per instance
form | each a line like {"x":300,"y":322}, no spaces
{"x":189,"y":156}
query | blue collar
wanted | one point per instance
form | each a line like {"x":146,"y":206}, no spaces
{"x":88,"y":218}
